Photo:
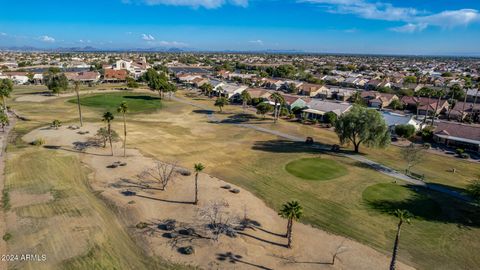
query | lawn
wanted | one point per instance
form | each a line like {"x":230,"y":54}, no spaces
{"x":137,"y":102}
{"x":316,"y":169}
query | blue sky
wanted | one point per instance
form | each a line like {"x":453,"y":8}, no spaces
{"x":335,"y":26}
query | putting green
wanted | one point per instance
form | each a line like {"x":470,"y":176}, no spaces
{"x":387,"y":197}
{"x":137,"y":102}
{"x":316,"y":169}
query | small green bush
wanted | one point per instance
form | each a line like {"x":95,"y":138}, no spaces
{"x":7,"y":237}
{"x":459,"y":151}
{"x":38,"y":142}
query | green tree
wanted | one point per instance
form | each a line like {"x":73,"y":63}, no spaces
{"x":405,"y":131}
{"x":55,"y":81}
{"x":4,"y":121}
{"x":291,"y":211}
{"x":403,"y":216}
{"x":396,"y":104}
{"x":198,"y":167}
{"x":362,"y":126}
{"x":221,"y":102}
{"x":123,"y":109}
{"x":207,"y":89}
{"x":409,"y":79}
{"x":245,"y":97}
{"x":108,"y":118}
{"x":473,"y":189}
{"x":264,"y":108}
{"x":330,"y":118}
{"x":157,"y":82}
{"x":77,"y":86}
{"x":131,"y":83}
{"x":6,"y":88}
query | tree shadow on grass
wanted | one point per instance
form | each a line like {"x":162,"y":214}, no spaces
{"x":287,"y":146}
{"x":235,"y":258}
{"x":431,"y":205}
{"x":200,"y":111}
{"x":239,"y":118}
{"x":142,"y":97}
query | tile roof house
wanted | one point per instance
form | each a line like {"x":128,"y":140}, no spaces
{"x":462,"y":109}
{"x":458,"y":135}
{"x":425,"y":104}
{"x":259,"y":93}
{"x":112,"y":75}
{"x":377,"y":99}
{"x":311,"y":90}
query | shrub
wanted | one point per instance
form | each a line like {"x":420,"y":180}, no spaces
{"x":56,"y":124}
{"x":426,"y":134}
{"x":459,"y":151}
{"x":7,"y":237}
{"x":427,"y":145}
{"x":38,"y":142}
{"x":330,"y":118}
{"x":187,"y":250}
{"x":464,"y":155}
{"x":405,"y":131}
{"x":141,"y":225}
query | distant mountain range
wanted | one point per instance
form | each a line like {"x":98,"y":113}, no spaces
{"x":85,"y":49}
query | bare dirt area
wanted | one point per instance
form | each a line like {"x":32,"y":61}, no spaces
{"x":252,"y":236}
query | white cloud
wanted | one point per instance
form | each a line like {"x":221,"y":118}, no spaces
{"x":415,"y":19}
{"x":47,"y":39}
{"x":3,"y":34}
{"x":148,"y":37}
{"x":257,"y":42}
{"x":171,"y":43}
{"x":209,"y":4}
{"x":410,"y":28}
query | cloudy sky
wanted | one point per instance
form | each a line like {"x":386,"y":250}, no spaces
{"x":334,"y":26}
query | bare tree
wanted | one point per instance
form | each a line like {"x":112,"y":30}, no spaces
{"x":218,"y":219}
{"x":161,"y":172}
{"x":412,"y":155}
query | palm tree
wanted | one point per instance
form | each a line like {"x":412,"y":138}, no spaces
{"x":291,"y":211}
{"x":403,"y":216}
{"x":6,"y":87}
{"x":198,"y":167}
{"x":123,"y":109}
{"x":108,"y":118}
{"x":245,"y":97}
{"x":77,"y":86}
{"x":279,"y":100}
{"x":439,"y":94}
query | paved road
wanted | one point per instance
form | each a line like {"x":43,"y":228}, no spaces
{"x":375,"y":165}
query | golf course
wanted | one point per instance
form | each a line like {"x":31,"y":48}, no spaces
{"x":94,"y":225}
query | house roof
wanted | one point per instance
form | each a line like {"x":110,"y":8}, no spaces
{"x":327,"y":106}
{"x":116,"y":74}
{"x":451,"y":130}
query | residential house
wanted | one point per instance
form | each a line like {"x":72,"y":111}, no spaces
{"x":463,"y":109}
{"x":458,"y":135}
{"x":318,"y":108}
{"x":229,"y":90}
{"x":259,"y":93}
{"x":473,"y":95}
{"x":312,"y":90}
{"x":425,"y":104}
{"x":378,"y":100}
{"x":112,"y":75}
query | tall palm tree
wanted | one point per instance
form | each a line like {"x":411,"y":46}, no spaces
{"x":403,"y":216}
{"x":108,"y":118}
{"x":439,"y":94}
{"x":245,"y":97}
{"x":198,"y":167}
{"x":291,"y":211}
{"x":6,"y":87}
{"x":123,"y":109}
{"x":77,"y":86}
{"x":279,"y":100}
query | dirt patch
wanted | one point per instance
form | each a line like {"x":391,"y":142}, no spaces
{"x":19,"y":198}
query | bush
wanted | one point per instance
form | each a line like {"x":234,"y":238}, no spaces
{"x":56,"y":124}
{"x":330,"y":118}
{"x":459,"y":151}
{"x":141,"y":225}
{"x":186,"y":250}
{"x":427,"y":145}
{"x":7,"y":237}
{"x":426,"y":134}
{"x":38,"y":142}
{"x":405,"y":131}
{"x":465,"y":156}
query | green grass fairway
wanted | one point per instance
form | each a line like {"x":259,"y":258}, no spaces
{"x":387,"y":197}
{"x":316,"y":169}
{"x":136,"y":102}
